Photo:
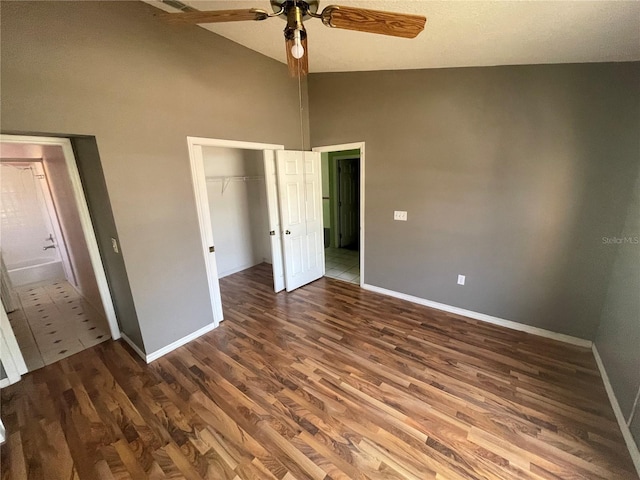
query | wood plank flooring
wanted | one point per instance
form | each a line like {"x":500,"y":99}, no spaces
{"x":327,"y":382}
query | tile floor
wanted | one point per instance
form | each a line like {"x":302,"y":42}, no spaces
{"x":342,"y":264}
{"x":55,"y":322}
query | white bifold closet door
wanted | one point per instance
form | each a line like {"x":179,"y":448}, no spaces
{"x":300,"y":198}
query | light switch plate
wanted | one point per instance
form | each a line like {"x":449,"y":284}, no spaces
{"x":461,"y":279}
{"x":400,"y":215}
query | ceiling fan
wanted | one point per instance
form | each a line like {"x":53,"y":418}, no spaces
{"x":296,"y":11}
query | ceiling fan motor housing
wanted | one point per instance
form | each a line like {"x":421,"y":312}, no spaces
{"x":296,"y":11}
{"x":308,"y":7}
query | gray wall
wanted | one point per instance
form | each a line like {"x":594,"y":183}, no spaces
{"x":510,"y":176}
{"x":87,"y":156}
{"x":115,"y":71}
{"x":618,"y":337}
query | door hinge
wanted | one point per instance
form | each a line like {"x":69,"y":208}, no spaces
{"x":212,"y":249}
{"x":272,"y":233}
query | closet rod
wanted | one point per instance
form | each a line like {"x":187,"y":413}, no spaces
{"x":226,"y":179}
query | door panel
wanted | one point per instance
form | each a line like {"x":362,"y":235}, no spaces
{"x":274,"y":220}
{"x":299,"y":184}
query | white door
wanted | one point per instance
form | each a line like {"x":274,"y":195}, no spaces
{"x":348,"y":202}
{"x":274,"y":219}
{"x":300,"y":197}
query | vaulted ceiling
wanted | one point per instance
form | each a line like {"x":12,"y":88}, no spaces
{"x":457,"y":34}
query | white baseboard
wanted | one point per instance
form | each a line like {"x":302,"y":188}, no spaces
{"x":136,"y":349}
{"x":622,"y":423}
{"x":169,"y":348}
{"x":483,"y":317}
{"x":178,"y":343}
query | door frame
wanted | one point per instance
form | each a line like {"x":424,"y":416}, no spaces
{"x":85,"y":219}
{"x":361,"y":147}
{"x":10,"y":354}
{"x":198,"y":177}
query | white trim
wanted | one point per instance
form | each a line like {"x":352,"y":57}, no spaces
{"x":624,"y":428}
{"x":634,"y":409}
{"x":216,"y":142}
{"x":561,"y":337}
{"x":10,"y":354}
{"x":199,"y":181}
{"x":171,"y":347}
{"x":85,"y":219}
{"x":353,"y":146}
{"x":3,"y":433}
{"x":135,"y":347}
{"x":178,"y":343}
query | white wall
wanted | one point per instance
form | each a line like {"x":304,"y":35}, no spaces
{"x":23,"y":218}
{"x":239,"y":216}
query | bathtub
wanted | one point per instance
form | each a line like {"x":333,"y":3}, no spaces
{"x":35,"y":270}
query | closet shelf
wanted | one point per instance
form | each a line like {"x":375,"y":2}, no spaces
{"x":226,"y":180}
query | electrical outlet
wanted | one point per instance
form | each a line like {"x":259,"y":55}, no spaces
{"x":400,"y":215}
{"x":114,"y":244}
{"x":461,"y":279}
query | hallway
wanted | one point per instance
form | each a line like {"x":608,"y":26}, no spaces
{"x":54,"y":322}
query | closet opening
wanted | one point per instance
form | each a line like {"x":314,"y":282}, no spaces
{"x":236,"y":193}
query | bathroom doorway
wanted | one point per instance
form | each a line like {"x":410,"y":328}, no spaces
{"x":51,"y":291}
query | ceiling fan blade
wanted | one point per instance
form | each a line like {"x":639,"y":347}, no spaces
{"x":216,"y":16}
{"x":297,"y":67}
{"x":373,"y":21}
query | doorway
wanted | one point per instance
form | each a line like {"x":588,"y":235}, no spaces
{"x":237,"y":201}
{"x":343,"y":211}
{"x":284,"y":225}
{"x":53,"y":283}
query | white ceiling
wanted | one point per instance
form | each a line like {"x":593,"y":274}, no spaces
{"x":457,"y":34}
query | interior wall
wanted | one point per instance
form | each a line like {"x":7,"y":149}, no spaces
{"x":239,"y":215}
{"x":510,"y":176}
{"x":618,"y":337}
{"x":116,"y":71}
{"x":87,"y":156}
{"x":69,"y":218}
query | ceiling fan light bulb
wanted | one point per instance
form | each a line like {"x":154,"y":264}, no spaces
{"x":297,"y":50}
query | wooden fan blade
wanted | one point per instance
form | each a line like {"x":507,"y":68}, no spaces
{"x":297,"y":67}
{"x":216,"y":16}
{"x":373,"y":21}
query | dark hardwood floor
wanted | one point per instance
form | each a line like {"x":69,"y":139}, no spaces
{"x":327,"y":382}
